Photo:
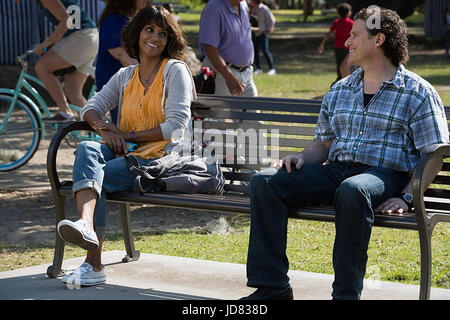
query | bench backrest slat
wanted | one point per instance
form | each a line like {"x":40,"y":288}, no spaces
{"x":437,"y":193}
{"x":255,"y":116}
{"x":231,"y":124}
{"x":302,"y":129}
{"x":441,"y":206}
{"x":446,"y":167}
{"x":447,"y":112}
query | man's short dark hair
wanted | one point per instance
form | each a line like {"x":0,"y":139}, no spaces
{"x":176,"y":42}
{"x":343,"y":9}
{"x":395,"y":46}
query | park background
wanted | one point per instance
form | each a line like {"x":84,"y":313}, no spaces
{"x":301,"y":73}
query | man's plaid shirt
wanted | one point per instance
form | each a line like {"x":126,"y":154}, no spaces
{"x":403,"y":117}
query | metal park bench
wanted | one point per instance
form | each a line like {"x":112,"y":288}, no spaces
{"x":248,"y":140}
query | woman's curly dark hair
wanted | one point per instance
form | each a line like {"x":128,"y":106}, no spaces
{"x":395,"y":46}
{"x":176,"y":42}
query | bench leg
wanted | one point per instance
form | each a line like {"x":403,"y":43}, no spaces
{"x":132,"y":253}
{"x":54,"y":270}
{"x":425,"y":263}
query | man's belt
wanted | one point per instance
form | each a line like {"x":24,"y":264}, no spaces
{"x":238,"y":68}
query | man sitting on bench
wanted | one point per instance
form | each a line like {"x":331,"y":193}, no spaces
{"x":372,"y":128}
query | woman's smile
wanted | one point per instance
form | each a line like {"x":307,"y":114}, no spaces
{"x":153,"y":40}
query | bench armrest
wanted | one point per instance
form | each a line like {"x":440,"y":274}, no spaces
{"x":424,"y":172}
{"x":53,"y":150}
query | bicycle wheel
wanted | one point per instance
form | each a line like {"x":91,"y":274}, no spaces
{"x":20,"y":134}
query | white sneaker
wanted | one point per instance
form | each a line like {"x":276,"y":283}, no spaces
{"x":271,"y":72}
{"x":79,"y":233}
{"x":85,"y":275}
{"x":257,"y":71}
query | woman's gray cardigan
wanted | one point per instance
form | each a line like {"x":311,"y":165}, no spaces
{"x":179,"y":89}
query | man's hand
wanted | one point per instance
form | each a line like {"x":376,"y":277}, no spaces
{"x":235,"y":86}
{"x":393,"y":205}
{"x":287,"y":161}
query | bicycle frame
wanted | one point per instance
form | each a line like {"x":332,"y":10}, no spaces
{"x":25,"y":96}
{"x":22,"y":83}
{"x":16,"y":94}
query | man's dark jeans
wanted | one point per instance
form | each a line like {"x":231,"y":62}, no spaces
{"x":353,"y":188}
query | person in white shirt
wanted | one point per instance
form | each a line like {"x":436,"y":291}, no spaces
{"x":266,"y":24}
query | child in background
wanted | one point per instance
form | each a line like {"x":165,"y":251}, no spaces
{"x":341,"y":28}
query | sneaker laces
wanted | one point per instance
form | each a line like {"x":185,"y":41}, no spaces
{"x":85,"y":268}
{"x":84,"y":227}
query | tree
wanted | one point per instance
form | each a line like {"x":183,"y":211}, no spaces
{"x":403,"y":8}
{"x":307,"y":9}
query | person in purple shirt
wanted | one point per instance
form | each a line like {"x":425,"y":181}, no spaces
{"x":111,"y":55}
{"x":226,"y":41}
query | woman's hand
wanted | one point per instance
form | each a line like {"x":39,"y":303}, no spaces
{"x":101,"y":125}
{"x":115,"y":142}
{"x":113,"y":137}
{"x":40,"y":49}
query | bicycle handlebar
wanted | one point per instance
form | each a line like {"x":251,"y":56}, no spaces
{"x":20,"y":59}
{"x":27,"y":53}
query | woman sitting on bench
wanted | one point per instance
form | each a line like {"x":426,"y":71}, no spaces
{"x":154,"y":99}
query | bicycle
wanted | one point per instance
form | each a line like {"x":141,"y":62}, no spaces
{"x":21,"y":124}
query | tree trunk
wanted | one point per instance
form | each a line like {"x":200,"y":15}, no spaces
{"x":306,"y":9}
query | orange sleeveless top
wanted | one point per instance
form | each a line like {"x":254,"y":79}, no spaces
{"x":141,"y":111}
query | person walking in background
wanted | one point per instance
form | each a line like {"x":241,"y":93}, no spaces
{"x":67,"y":46}
{"x":341,"y":29}
{"x":154,"y":99}
{"x":111,"y":55}
{"x":226,"y":42}
{"x":446,"y":26}
{"x":266,"y":24}
{"x":169,"y":7}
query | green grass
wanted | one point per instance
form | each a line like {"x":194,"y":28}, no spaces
{"x":395,"y":253}
{"x":417,"y":19}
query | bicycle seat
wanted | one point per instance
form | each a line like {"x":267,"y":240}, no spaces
{"x":62,"y":72}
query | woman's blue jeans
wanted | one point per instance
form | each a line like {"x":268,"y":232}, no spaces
{"x":354,"y":189}
{"x":97,"y":168}
{"x":262,"y":42}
